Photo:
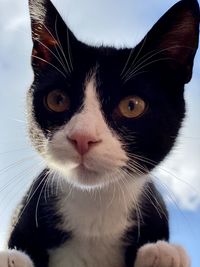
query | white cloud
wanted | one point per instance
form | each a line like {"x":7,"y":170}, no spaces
{"x":16,"y":23}
{"x":182,"y":168}
{"x":179,"y":177}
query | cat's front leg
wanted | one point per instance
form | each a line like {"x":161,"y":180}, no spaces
{"x":14,"y":258}
{"x":162,"y":254}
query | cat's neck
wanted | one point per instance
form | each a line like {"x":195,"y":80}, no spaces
{"x":100,"y":212}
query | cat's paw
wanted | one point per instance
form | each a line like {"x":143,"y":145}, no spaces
{"x":14,"y":258}
{"x":162,"y":254}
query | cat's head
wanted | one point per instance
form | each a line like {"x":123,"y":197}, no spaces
{"x":98,"y":114}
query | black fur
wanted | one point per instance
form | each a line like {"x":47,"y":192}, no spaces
{"x":35,"y":231}
{"x":160,"y":83}
{"x":152,"y":225}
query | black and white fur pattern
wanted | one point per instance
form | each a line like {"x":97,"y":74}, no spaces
{"x":97,"y":219}
{"x":151,"y":255}
{"x":95,"y":205}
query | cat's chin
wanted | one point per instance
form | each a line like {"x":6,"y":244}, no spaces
{"x":85,"y":175}
{"x":86,"y":178}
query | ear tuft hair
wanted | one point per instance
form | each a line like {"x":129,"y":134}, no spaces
{"x":50,"y":34}
{"x":38,"y":10}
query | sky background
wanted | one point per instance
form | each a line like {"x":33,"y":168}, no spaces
{"x":115,"y":22}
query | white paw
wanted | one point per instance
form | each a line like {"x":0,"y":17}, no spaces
{"x":162,"y":254}
{"x":14,"y":258}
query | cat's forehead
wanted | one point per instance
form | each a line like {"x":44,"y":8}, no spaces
{"x":91,"y":99}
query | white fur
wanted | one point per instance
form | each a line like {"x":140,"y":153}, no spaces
{"x":37,"y":10}
{"x":99,"y":213}
{"x":162,"y":254}
{"x":81,"y":253}
{"x":14,"y":258}
{"x":98,"y":220}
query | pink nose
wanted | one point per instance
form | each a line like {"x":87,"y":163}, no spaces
{"x":83,"y":142}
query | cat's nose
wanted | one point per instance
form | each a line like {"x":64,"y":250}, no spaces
{"x":83,"y":141}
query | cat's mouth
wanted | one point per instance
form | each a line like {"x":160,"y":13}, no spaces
{"x":82,"y":175}
{"x":83,"y":169}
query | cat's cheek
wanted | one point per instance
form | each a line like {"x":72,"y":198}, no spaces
{"x":58,"y":159}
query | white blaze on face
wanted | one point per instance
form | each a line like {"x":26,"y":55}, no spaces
{"x":97,"y":220}
{"x":85,"y":150}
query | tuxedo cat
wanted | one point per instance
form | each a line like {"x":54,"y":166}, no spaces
{"x":102,"y":118}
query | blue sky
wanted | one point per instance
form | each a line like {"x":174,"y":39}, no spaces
{"x":115,"y":22}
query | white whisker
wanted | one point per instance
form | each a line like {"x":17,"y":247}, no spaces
{"x":60,"y":46}
{"x":50,"y":65}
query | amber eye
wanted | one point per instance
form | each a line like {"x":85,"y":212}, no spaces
{"x":132,"y":107}
{"x":57,"y":101}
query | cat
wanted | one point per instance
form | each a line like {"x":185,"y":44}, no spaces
{"x":102,"y":118}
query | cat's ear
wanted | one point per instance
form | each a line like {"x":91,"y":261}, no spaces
{"x":175,"y":38}
{"x":49,"y":32}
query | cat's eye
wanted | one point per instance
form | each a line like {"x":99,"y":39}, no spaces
{"x":132,"y":107}
{"x":57,"y":101}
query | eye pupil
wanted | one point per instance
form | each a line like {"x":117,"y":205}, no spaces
{"x":131,"y":105}
{"x":59,"y":100}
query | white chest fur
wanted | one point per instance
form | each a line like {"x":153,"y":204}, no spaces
{"x":88,"y":253}
{"x":98,"y":220}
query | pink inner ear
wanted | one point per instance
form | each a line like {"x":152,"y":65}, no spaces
{"x":44,"y":42}
{"x":47,"y":38}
